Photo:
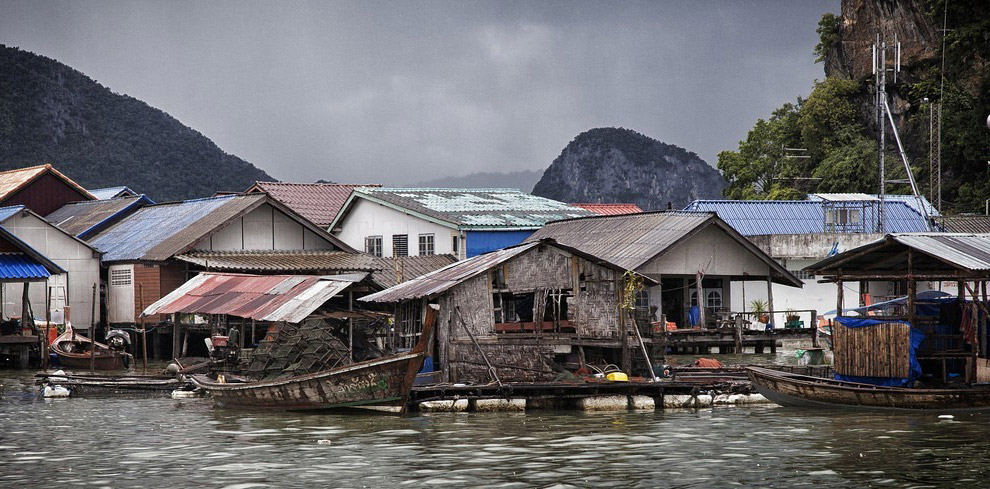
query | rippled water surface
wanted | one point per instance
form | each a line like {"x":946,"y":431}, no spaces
{"x":157,"y":442}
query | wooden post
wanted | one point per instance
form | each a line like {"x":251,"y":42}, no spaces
{"x":626,"y":360}
{"x":701,"y":299}
{"x":814,"y":329}
{"x":252,"y":332}
{"x":839,"y":301}
{"x":144,"y":328}
{"x":770,"y":294}
{"x":350,"y":324}
{"x":176,"y":336}
{"x":92,"y":333}
{"x":48,"y":319}
{"x":739,"y":328}
{"x":912,"y":287}
{"x":25,"y":307}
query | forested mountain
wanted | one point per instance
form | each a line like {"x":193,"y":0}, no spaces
{"x":616,"y":165}
{"x":522,"y":180}
{"x":51,"y":113}
{"x":837,"y":124}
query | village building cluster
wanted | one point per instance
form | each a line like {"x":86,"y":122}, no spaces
{"x":522,"y":287}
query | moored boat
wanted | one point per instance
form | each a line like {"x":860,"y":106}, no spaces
{"x":788,"y":389}
{"x":385,"y":380}
{"x":77,"y":352}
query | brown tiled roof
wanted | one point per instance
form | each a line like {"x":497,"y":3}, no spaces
{"x":13,"y":180}
{"x":318,"y":262}
{"x":318,"y":202}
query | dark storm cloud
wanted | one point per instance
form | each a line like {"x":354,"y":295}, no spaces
{"x":406,"y":91}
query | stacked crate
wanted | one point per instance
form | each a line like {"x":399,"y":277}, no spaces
{"x":297,"y":349}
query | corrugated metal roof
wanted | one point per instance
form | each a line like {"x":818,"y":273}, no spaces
{"x":628,"y":241}
{"x":113,"y":192}
{"x":844,"y":197}
{"x":440,"y":280}
{"x":85,"y":218}
{"x":410,"y":266}
{"x":7,"y":212}
{"x":289,"y":298}
{"x":282,"y":260}
{"x":940,"y":254}
{"x":13,"y":180}
{"x":472,"y":208}
{"x":967,"y":251}
{"x":759,"y":217}
{"x":966,"y":224}
{"x":610,"y":209}
{"x":21,"y":266}
{"x":318,"y":202}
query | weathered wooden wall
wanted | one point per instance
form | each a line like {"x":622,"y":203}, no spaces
{"x":874,"y":351}
{"x":597,"y":300}
{"x":539,"y":269}
{"x":513,"y":363}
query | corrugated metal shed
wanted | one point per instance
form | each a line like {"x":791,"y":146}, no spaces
{"x":610,"y":209}
{"x":470,"y":208}
{"x":631,"y":240}
{"x":437,"y":282}
{"x":113,"y":192}
{"x":762,"y":217}
{"x":936,"y":253}
{"x":318,"y":202}
{"x":19,"y":266}
{"x":289,"y":298}
{"x":13,"y":180}
{"x":83,"y":219}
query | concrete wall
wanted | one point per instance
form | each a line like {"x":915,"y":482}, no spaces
{"x":810,"y":246}
{"x":264,"y":228}
{"x":80,"y":262}
{"x":368,"y":218}
{"x":711,"y":251}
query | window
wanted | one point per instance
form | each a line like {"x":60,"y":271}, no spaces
{"x":454,"y":241}
{"x":425,"y":244}
{"x":803,"y":275}
{"x":400,"y":245}
{"x":373,"y":245}
{"x":120,"y":276}
{"x":643,"y":300}
{"x":843,"y":217}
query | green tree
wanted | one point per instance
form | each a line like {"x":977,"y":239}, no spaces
{"x":759,"y":167}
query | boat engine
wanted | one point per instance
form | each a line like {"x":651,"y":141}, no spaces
{"x":118,"y":340}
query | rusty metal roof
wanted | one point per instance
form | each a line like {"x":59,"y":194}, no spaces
{"x":631,"y":240}
{"x":13,"y":180}
{"x":475,"y":209}
{"x":610,"y":209}
{"x":83,"y":219}
{"x":289,"y":298}
{"x":318,"y":202}
{"x":945,"y":254}
{"x":160,"y":232}
{"x":437,"y":282}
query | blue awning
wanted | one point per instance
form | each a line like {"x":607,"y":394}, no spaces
{"x":20,"y":266}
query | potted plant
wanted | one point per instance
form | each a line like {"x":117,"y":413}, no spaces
{"x":792,"y":315}
{"x":759,"y":309}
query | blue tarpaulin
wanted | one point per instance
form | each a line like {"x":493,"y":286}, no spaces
{"x":915,"y":368}
{"x":480,"y":242}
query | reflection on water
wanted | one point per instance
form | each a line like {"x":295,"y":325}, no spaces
{"x":153,"y":442}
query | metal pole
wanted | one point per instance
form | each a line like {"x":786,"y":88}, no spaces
{"x":48,"y":321}
{"x":144,"y":329}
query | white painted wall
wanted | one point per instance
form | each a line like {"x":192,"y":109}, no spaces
{"x":264,"y":228}
{"x":368,"y":218}
{"x":81,"y":264}
{"x":711,"y":251}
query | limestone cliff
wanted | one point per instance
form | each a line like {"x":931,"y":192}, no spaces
{"x":615,"y":165}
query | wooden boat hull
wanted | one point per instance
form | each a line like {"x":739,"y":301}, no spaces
{"x":797,"y":390}
{"x":81,"y":385}
{"x":106,"y":358}
{"x":385,"y":380}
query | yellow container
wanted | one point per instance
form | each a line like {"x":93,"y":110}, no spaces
{"x":617,"y":377}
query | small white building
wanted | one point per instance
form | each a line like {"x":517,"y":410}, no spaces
{"x":71,"y":291}
{"x":428,"y":221}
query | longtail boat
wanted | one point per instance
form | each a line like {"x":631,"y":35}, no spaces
{"x":385,"y":380}
{"x":75,"y":351}
{"x":788,"y":389}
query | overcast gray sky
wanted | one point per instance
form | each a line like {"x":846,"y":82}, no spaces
{"x":399,"y":92}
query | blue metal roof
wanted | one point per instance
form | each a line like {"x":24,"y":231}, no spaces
{"x":21,"y":266}
{"x":757,"y":217}
{"x":136,"y":235}
{"x":6,"y":212}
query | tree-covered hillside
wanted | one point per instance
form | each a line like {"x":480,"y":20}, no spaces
{"x":836,"y":122}
{"x":51,"y":113}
